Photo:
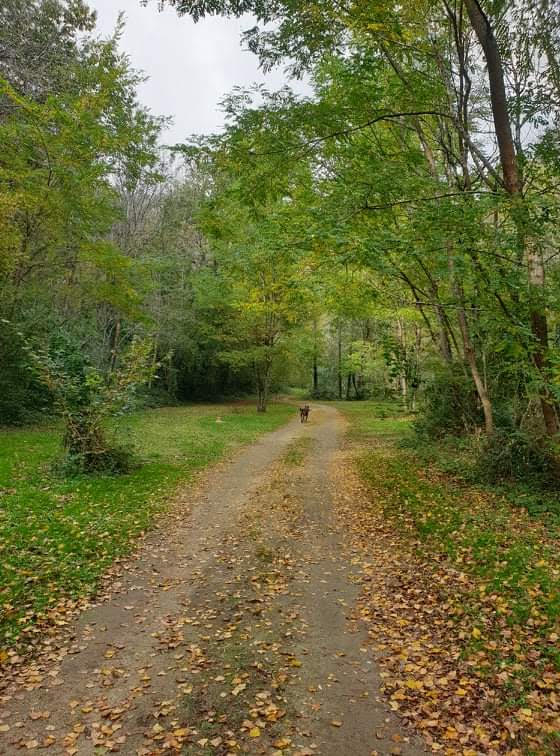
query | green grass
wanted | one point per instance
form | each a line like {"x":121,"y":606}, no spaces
{"x":58,"y":535}
{"x":458,"y":457}
{"x":455,"y":456}
{"x":375,"y":419}
{"x":475,"y":528}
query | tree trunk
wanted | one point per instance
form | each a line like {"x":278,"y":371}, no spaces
{"x":339,"y":361}
{"x":444,"y":343}
{"x":356,"y":390}
{"x":315,"y":367}
{"x":115,"y":345}
{"x":315,"y":376}
{"x":485,"y":34}
{"x":262,"y":381}
{"x":538,"y":320}
{"x":403,"y":382}
{"x":470,"y":356}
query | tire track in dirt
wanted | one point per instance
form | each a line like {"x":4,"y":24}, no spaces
{"x":230,"y":632}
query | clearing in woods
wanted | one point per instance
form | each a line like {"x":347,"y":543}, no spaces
{"x":233,"y":629}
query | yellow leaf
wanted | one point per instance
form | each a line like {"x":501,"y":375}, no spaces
{"x":476,"y":633}
{"x":413,"y":684}
{"x":254,"y":732}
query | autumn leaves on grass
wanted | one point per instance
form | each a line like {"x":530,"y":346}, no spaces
{"x":460,"y":597}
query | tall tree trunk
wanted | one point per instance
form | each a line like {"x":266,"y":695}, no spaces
{"x":403,"y":382}
{"x":115,"y":345}
{"x":339,"y":361}
{"x":356,"y":389}
{"x":262,"y":381}
{"x":444,"y":343}
{"x":315,"y":376}
{"x":470,"y":354}
{"x":470,"y":357}
{"x":538,"y":320}
{"x":315,"y":368}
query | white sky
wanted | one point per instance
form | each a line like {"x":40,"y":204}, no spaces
{"x":191,"y":66}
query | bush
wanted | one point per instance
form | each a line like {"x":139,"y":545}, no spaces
{"x":325,"y":394}
{"x":514,"y":455}
{"x":113,"y":458}
{"x":449,"y":406}
{"x":85,"y":398}
{"x":22,"y":395}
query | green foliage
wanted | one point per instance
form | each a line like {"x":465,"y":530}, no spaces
{"x":363,"y":241}
{"x":515,"y":455}
{"x":85,"y":398}
{"x":71,"y":133}
{"x":449,"y":405}
{"x":22,"y":395}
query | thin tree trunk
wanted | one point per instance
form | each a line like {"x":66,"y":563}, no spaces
{"x":114,"y":345}
{"x":538,"y":320}
{"x":315,"y":376}
{"x":339,"y":361}
{"x":479,"y":383}
{"x":470,"y":355}
{"x":261,"y":379}
{"x":403,"y":382}
{"x":356,"y":390}
{"x":315,"y":368}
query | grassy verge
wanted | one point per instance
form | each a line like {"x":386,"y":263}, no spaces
{"x":495,"y":569}
{"x":458,"y":458}
{"x":57,"y":536}
{"x":374,"y":420}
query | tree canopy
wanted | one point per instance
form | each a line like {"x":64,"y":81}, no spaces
{"x":394,"y":228}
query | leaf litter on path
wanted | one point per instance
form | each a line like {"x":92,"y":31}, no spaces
{"x":231,"y":634}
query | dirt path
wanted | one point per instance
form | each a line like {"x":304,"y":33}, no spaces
{"x":230,"y":632}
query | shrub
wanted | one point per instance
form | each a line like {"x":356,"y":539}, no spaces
{"x":514,"y":455}
{"x":85,"y":398}
{"x":323,"y":393}
{"x":449,"y":406}
{"x":22,"y":395}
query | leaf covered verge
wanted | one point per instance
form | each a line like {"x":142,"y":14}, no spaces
{"x":460,"y":594}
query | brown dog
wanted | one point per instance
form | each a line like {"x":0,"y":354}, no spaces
{"x":304,"y":413}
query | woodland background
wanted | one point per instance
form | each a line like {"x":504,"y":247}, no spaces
{"x":394,"y":234}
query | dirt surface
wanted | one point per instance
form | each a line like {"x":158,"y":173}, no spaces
{"x":232,"y":630}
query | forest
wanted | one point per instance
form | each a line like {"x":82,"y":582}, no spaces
{"x":391,"y":234}
{"x":386,"y":244}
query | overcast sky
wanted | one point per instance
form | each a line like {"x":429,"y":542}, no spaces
{"x":191,"y":66}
